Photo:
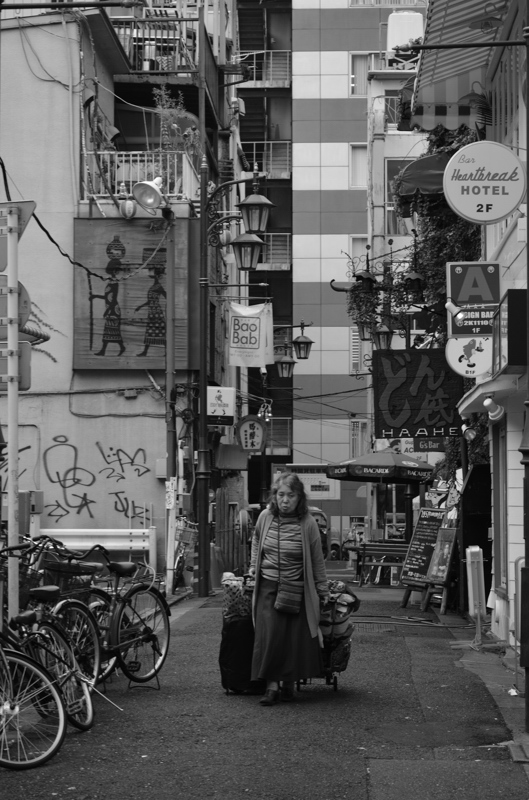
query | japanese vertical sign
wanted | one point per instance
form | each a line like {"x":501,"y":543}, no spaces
{"x":251,"y":335}
{"x":415,"y":394}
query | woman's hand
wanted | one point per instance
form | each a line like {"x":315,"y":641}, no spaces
{"x":251,"y":572}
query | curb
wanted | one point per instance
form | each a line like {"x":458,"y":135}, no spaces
{"x":177,"y":598}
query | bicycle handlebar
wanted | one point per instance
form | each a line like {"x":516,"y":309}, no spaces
{"x":21,"y":548}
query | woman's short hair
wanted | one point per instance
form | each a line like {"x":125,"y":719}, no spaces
{"x":292,"y":480}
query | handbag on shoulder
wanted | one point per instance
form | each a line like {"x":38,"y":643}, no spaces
{"x":289,"y":597}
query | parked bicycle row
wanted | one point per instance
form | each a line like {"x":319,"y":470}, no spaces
{"x":82,"y":617}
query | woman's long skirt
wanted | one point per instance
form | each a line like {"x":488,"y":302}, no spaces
{"x":284,"y":649}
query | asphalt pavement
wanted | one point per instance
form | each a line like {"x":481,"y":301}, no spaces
{"x":420,"y":712}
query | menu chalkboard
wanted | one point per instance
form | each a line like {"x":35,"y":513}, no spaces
{"x":417,"y":563}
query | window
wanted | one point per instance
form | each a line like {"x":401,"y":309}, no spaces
{"x":391,"y":104}
{"x":359,"y":65}
{"x":358,"y":166}
{"x":394,"y":225}
{"x":358,"y":437}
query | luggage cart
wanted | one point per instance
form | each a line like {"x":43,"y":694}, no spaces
{"x":337,"y":629}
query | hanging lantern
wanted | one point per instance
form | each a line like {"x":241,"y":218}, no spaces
{"x":247,"y":249}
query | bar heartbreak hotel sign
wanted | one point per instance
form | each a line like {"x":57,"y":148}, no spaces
{"x":484,"y":182}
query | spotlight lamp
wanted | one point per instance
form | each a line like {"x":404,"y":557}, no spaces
{"x":469,"y":433}
{"x":149,"y":193}
{"x":458,"y":314}
{"x":494,"y":410}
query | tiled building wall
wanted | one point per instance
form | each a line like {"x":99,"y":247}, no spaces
{"x":326,"y":213}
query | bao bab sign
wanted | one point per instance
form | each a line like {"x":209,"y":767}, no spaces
{"x":484,"y":182}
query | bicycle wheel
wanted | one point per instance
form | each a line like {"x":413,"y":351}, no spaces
{"x":83,"y":634}
{"x":32,"y":716}
{"x":57,"y":656}
{"x":100,"y":604}
{"x":140,"y":633}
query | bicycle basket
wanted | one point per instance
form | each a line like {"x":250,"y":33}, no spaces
{"x":28,"y":578}
{"x":187,"y":535}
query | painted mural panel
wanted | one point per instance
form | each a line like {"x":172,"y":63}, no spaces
{"x":121,"y":295}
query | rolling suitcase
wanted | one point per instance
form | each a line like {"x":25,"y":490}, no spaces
{"x":235,"y":657}
{"x":236,"y":646}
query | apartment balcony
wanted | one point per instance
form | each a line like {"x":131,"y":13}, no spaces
{"x":269,"y":69}
{"x":104,"y":172}
{"x":159,"y":44}
{"x":276,"y":255}
{"x":379,"y":64}
{"x":274,"y":158}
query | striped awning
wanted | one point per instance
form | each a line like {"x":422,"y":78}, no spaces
{"x":450,"y":84}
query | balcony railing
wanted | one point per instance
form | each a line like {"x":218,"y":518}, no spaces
{"x":105,"y":171}
{"x":389,"y":61}
{"x":277,"y":252}
{"x":274,"y":158}
{"x":159,"y":44}
{"x":279,"y":438}
{"x":268,"y":68}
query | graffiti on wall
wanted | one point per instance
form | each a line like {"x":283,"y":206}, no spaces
{"x":75,"y":484}
{"x":85,"y":483}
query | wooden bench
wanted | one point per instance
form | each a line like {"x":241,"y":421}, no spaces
{"x":121,"y":540}
{"x":381,"y":554}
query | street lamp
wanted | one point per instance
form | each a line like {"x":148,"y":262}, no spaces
{"x":302,"y":346}
{"x":254,"y":210}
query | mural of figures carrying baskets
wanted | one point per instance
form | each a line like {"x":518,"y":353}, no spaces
{"x":121,"y":292}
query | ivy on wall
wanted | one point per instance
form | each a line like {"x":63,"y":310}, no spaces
{"x":444,"y":236}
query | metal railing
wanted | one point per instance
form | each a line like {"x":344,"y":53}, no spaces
{"x":274,"y":158}
{"x":277,"y":252}
{"x":159,"y":44}
{"x":388,"y":60}
{"x":105,"y":171}
{"x":267,"y":68}
{"x":279,"y":437}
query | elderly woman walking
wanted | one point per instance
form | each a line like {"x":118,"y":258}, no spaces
{"x":286,"y":547}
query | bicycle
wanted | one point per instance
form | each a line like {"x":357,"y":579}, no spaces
{"x":37,"y":633}
{"x":41,"y":560}
{"x":32,"y":715}
{"x":73,"y":579}
{"x":133,"y":619}
{"x":186,"y":535}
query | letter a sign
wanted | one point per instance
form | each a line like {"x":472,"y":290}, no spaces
{"x":473,"y":283}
